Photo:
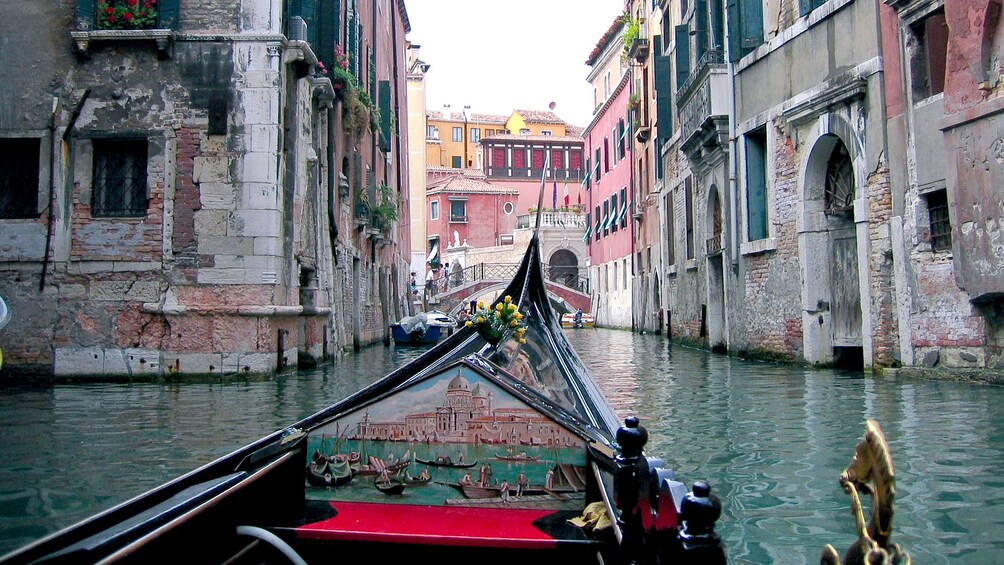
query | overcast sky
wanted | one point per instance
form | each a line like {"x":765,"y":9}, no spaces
{"x":515,"y":54}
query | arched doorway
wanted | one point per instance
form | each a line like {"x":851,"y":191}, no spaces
{"x":715,"y":272}
{"x":833,"y":320}
{"x":563,"y":268}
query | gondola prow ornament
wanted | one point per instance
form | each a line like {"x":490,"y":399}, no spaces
{"x":662,"y":522}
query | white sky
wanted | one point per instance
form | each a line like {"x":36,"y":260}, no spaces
{"x":510,"y":55}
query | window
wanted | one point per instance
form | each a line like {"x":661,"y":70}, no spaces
{"x":506,"y":239}
{"x":475,"y":135}
{"x":19,"y":178}
{"x":545,"y":132}
{"x":457,"y":162}
{"x":745,"y":27}
{"x":606,"y":155}
{"x":617,"y":279}
{"x":433,"y":210}
{"x":599,"y":224}
{"x":756,"y":184}
{"x":433,"y":132}
{"x":927,"y":58}
{"x":688,"y":201}
{"x":621,"y":139}
{"x":508,"y":208}
{"x":616,"y":137}
{"x":458,"y":210}
{"x":524,"y":131}
{"x":596,"y":175}
{"x":606,"y":217}
{"x":941,"y":224}
{"x":624,"y":207}
{"x":625,"y":269}
{"x":670,"y":230}
{"x":614,"y":211}
{"x":806,"y":6}
{"x":119,"y":181}
{"x":458,"y":134}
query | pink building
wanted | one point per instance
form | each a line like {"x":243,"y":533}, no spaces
{"x":609,"y":231}
{"x":468,"y":210}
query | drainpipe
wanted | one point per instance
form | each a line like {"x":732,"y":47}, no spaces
{"x":52,"y":174}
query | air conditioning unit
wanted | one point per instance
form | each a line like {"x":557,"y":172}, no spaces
{"x":297,"y":29}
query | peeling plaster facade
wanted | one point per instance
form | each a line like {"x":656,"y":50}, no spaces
{"x":863,"y":247}
{"x":244,"y":251}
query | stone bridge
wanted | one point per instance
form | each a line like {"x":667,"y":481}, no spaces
{"x":477,"y":280}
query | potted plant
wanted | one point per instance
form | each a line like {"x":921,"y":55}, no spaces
{"x":126,"y":14}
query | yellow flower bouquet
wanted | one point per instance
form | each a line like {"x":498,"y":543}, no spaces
{"x":493,"y":324}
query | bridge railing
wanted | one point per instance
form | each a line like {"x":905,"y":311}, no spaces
{"x":573,"y":277}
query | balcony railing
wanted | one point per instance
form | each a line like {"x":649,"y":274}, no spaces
{"x":704,"y":94}
{"x":553,"y":220}
{"x":639,"y":49}
{"x":458,"y":218}
{"x":714,"y":245}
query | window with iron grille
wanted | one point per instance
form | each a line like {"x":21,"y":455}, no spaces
{"x":119,"y":189}
{"x":19,"y":178}
{"x":941,"y":224}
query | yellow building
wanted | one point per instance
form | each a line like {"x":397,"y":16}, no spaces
{"x":452,"y":139}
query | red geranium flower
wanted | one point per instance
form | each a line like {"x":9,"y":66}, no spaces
{"x":109,"y":10}
{"x":132,"y":2}
{"x":127,"y":16}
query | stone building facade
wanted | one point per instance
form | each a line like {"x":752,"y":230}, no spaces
{"x":186,"y":194}
{"x":805,"y":207}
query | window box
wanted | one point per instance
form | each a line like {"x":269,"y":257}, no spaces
{"x":126,"y":20}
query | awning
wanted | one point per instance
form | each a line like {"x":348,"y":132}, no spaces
{"x":620,"y":218}
{"x":434,"y":254}
{"x":589,"y":231}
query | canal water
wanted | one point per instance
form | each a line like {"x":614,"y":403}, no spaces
{"x":772,"y":441}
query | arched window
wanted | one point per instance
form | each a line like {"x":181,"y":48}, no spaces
{"x":839,"y":196}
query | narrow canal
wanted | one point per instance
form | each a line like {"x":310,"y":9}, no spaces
{"x":772,"y":441}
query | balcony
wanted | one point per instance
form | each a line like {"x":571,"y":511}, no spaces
{"x":458,"y":219}
{"x":639,"y":49}
{"x":703,"y":102}
{"x":713,"y":245}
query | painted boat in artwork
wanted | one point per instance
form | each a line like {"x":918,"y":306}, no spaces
{"x":590,"y":493}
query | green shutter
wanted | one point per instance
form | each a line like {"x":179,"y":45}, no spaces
{"x":85,"y":15}
{"x":701,"y":29}
{"x":752,"y":25}
{"x":168,"y":14}
{"x":328,"y":33}
{"x":756,"y":189}
{"x":663,"y":97}
{"x":383,"y":98}
{"x":682,"y":54}
{"x":717,"y":27}
{"x":735,"y":35}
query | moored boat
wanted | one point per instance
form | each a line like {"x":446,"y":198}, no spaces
{"x":578,"y":320}
{"x":255,"y":505}
{"x":446,"y":462}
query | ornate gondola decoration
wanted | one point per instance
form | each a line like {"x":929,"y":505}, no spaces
{"x":871,"y":471}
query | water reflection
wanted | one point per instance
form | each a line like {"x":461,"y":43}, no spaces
{"x":772,"y":441}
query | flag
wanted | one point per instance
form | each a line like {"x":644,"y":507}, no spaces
{"x":566,"y":194}
{"x":554,"y":196}
{"x":580,"y":196}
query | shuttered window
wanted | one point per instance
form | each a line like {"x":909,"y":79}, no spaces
{"x":745,"y":27}
{"x":663,"y":97}
{"x":756,"y":184}
{"x":682,"y":54}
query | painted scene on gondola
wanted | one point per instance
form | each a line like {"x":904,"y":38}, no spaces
{"x":457,"y":438}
